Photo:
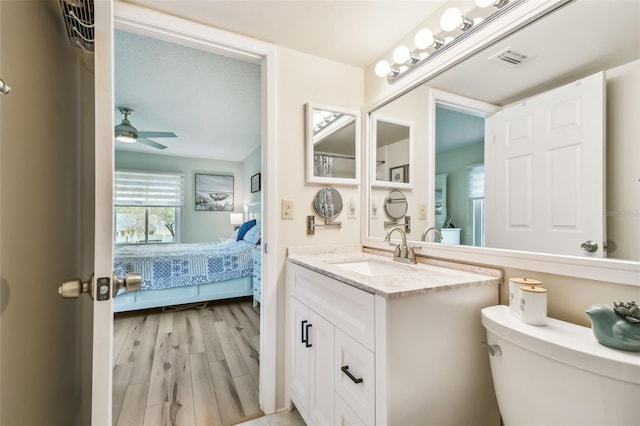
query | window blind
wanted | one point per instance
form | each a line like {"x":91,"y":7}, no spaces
{"x":475,"y":181}
{"x":148,"y":189}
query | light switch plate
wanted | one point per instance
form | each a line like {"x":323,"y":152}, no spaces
{"x":287,"y":209}
{"x":351,"y":209}
{"x":422,"y":211}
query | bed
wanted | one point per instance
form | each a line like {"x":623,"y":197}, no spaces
{"x":174,"y":274}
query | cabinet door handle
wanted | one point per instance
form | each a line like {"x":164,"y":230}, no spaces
{"x":306,"y":342}
{"x":302,"y":328}
{"x":345,"y":370}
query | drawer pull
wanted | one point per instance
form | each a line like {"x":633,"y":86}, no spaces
{"x":345,"y":370}
{"x":304,"y":333}
{"x":306,"y":342}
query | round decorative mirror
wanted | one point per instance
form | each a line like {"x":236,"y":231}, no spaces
{"x":395,"y":205}
{"x":328,"y":203}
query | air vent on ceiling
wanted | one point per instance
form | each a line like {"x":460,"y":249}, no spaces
{"x":510,"y":57}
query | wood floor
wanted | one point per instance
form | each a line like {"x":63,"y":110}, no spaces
{"x":189,"y":367}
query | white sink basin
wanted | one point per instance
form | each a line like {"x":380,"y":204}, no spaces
{"x":370,"y":267}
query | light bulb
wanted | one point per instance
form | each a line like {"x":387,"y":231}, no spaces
{"x":424,"y":38}
{"x":401,"y":54}
{"x":451,"y":19}
{"x":383,"y":68}
{"x":125,"y":138}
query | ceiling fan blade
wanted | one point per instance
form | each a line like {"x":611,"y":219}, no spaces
{"x":157,"y":134}
{"x":150,"y":143}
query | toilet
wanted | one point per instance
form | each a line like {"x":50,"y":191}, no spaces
{"x":559,"y":374}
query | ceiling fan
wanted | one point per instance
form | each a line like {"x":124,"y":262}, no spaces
{"x":126,"y":133}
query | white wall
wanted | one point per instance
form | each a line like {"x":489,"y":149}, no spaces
{"x":303,"y":78}
{"x":196,"y":226}
{"x":39,"y":218}
{"x":250,"y":166}
{"x":623,"y":158}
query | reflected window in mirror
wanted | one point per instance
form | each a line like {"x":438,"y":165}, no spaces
{"x":333,"y":145}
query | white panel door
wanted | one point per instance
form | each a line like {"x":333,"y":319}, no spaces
{"x":544,"y":165}
{"x":103,"y":244}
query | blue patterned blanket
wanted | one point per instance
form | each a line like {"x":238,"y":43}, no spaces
{"x":179,"y":265}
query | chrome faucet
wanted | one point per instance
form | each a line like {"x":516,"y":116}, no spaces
{"x":433,"y":228}
{"x":402,"y":253}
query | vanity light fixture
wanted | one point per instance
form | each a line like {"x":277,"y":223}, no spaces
{"x":322,"y":119}
{"x":455,"y":27}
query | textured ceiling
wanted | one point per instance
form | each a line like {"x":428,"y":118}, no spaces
{"x":211,"y":102}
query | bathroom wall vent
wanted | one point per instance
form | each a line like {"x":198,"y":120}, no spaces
{"x":79,"y":22}
{"x":510,"y":57}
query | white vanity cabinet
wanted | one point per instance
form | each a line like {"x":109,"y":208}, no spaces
{"x":359,"y":358}
{"x":331,"y":338}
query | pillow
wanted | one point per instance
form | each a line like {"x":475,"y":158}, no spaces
{"x":253,"y":235}
{"x":244,"y":228}
{"x":234,"y":235}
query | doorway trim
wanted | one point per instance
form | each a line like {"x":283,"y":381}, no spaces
{"x":169,"y":28}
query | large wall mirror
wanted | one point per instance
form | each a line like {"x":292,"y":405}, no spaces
{"x":333,"y":148}
{"x":590,"y":50}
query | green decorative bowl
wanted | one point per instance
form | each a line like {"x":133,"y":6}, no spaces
{"x":612,"y":330}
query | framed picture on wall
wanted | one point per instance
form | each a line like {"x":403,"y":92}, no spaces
{"x":255,"y":182}
{"x":213,"y":192}
{"x":399,"y":174}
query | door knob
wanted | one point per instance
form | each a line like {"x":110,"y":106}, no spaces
{"x":132,"y":282}
{"x":589,"y":246}
{"x":72,"y":289}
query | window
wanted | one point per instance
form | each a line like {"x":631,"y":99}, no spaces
{"x":475,"y":190}
{"x":147,"y":207}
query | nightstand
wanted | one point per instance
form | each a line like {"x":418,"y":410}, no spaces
{"x":257,"y":275}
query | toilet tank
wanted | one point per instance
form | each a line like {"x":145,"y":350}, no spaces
{"x":559,"y":374}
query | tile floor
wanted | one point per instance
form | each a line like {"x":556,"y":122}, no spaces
{"x":281,"y":418}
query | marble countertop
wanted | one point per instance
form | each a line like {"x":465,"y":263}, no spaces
{"x":405,"y":279}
